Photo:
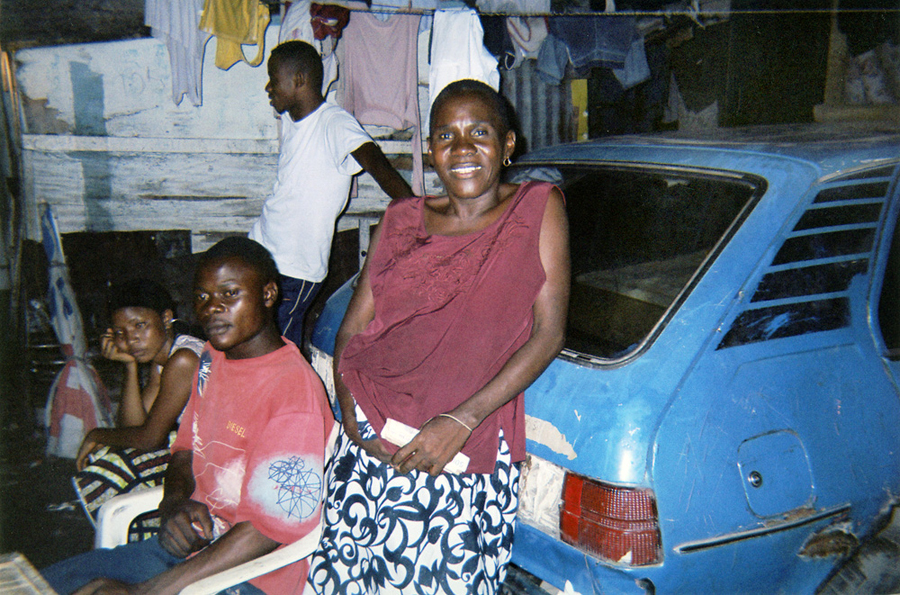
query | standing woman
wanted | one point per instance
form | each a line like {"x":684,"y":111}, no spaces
{"x":460,"y":306}
{"x":143,"y":335}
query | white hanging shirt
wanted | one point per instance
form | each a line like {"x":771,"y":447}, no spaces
{"x":458,"y":52}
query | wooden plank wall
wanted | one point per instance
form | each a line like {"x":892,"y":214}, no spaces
{"x":211,"y":187}
{"x":105,"y":145}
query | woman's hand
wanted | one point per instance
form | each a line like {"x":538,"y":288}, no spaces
{"x":88,"y":446}
{"x":110,"y":351}
{"x":433,"y":447}
{"x":374,"y":447}
{"x":377,"y":449}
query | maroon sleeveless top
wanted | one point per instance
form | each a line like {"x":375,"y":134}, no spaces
{"x":449,"y":312}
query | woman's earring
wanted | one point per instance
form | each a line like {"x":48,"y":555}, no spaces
{"x":506,"y":162}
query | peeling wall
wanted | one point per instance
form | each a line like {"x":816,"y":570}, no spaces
{"x":123,"y":89}
{"x":109,"y":149}
{"x":106,"y":145}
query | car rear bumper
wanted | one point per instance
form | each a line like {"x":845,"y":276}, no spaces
{"x":750,"y":565}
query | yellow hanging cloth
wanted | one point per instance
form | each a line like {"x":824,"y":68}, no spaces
{"x":235,"y":23}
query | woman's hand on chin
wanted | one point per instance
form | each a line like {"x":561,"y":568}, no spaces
{"x":109,"y":350}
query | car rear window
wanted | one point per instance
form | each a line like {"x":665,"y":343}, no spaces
{"x":639,"y":238}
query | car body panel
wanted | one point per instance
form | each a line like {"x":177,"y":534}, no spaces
{"x":631,"y":414}
{"x":762,"y":410}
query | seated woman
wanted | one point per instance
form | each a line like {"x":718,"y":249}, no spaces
{"x":460,"y":305}
{"x":143,"y":338}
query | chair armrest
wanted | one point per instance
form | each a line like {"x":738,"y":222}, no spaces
{"x":241,"y":573}
{"x":116,"y":514}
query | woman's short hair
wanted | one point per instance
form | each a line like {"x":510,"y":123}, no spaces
{"x":250,"y":251}
{"x":139,"y":293}
{"x":473,"y":87}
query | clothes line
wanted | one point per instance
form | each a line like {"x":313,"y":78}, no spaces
{"x":711,"y":8}
{"x":691,"y":9}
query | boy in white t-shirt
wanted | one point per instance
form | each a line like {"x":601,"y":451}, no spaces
{"x":322,"y":148}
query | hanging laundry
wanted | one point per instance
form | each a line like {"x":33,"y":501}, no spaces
{"x":328,"y":20}
{"x":235,"y":23}
{"x":394,"y":6}
{"x":533,"y":7}
{"x":458,"y":52}
{"x":635,"y":70}
{"x":176,"y":23}
{"x":595,"y":40}
{"x":385,"y":92}
{"x":527,"y":34}
{"x":389,"y":6}
{"x":497,"y":40}
{"x":553,"y":58}
{"x":297,"y":24}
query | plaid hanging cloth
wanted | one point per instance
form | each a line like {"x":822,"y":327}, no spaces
{"x":78,"y":400}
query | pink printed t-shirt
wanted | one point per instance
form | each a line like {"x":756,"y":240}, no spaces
{"x":257,"y":428}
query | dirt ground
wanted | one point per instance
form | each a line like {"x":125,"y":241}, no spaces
{"x":40,"y":516}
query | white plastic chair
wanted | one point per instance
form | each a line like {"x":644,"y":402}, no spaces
{"x":116,"y":514}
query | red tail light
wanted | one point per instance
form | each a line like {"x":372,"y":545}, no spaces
{"x":610,"y":521}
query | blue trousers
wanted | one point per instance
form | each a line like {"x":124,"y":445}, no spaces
{"x":296,"y":297}
{"x":131,"y":563}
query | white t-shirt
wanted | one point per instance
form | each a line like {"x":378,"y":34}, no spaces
{"x":315,"y":169}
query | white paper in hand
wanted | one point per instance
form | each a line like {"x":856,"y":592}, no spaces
{"x":400,"y":434}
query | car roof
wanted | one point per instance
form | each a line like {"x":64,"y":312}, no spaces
{"x":832,"y":148}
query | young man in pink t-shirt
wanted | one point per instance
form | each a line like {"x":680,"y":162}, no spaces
{"x":247,"y":465}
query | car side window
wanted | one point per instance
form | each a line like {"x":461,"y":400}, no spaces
{"x":639,"y":238}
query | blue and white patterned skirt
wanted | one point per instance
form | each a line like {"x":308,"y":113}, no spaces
{"x":386,"y":532}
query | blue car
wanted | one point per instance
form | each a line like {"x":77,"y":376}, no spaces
{"x":725,"y":416}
